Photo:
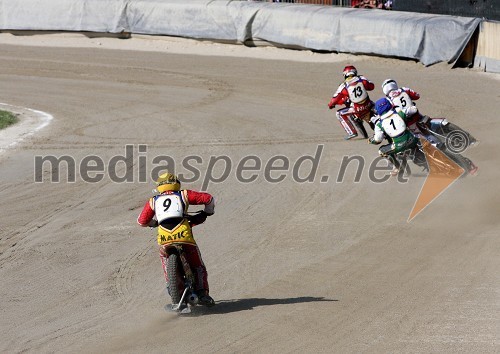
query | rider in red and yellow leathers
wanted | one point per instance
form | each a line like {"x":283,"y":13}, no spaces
{"x":167,"y":210}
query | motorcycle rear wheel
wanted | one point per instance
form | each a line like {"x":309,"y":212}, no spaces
{"x":460,"y":160}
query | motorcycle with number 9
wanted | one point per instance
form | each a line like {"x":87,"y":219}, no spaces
{"x":180,"y":274}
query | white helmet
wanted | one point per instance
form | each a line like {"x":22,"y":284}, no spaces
{"x":388,"y":86}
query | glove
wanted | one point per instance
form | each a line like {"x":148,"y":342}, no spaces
{"x":210,"y":207}
{"x":411,"y":110}
{"x":331,"y":104}
{"x":374,"y":118}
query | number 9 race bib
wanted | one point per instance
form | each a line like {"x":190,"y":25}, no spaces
{"x":169,"y":206}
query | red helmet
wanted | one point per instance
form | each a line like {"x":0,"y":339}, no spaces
{"x":350,"y":70}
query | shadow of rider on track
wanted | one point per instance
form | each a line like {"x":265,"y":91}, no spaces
{"x":228,"y":306}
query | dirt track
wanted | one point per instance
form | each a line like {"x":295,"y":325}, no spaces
{"x":313,"y":267}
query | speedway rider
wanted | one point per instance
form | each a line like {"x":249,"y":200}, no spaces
{"x":390,"y":123}
{"x":402,"y":99}
{"x":167,"y":210}
{"x":353,"y":93}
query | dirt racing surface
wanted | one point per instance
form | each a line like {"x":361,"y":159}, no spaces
{"x":314,"y":267}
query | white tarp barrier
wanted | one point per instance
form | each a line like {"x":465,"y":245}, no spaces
{"x":64,"y":15}
{"x":427,"y":38}
{"x":220,"y":20}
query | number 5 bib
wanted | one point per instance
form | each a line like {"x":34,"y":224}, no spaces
{"x":401,"y":100}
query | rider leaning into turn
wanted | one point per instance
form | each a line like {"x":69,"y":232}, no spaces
{"x":390,"y":123}
{"x":353,"y":91}
{"x":402,"y":99}
{"x":168,"y":210}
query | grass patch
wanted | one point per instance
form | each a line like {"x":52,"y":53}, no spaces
{"x":6,"y":119}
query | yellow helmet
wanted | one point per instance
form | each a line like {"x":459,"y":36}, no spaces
{"x":167,"y":182}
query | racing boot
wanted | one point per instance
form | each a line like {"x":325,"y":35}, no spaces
{"x":396,"y":165}
{"x":205,"y":299}
{"x":347,"y":125}
{"x":350,"y":136}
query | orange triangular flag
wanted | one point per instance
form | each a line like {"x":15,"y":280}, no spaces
{"x":442,"y":173}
